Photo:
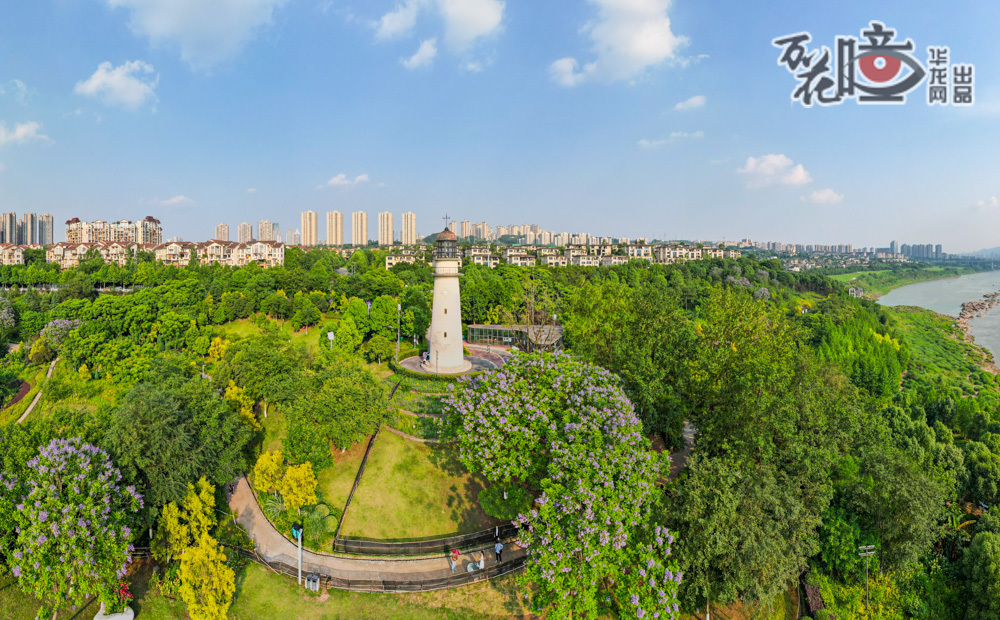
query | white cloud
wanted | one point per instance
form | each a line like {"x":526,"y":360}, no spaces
{"x":205,"y":32}
{"x":399,"y":21}
{"x":468,"y":20}
{"x":252,"y":190}
{"x":465,"y":21}
{"x":17,"y":89}
{"x":824,"y":197}
{"x":22,"y":134}
{"x":674,"y":137}
{"x":342,"y":180}
{"x":650,"y":144}
{"x":176,"y":201}
{"x":629,"y":36}
{"x":773,"y":170}
{"x":128,"y":85}
{"x":992,"y":202}
{"x":692,"y":103}
{"x":424,"y":56}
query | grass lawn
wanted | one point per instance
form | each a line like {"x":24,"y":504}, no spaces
{"x":422,"y":386}
{"x":418,"y":426}
{"x":410,"y":490}
{"x":420,"y":403}
{"x":335,"y":482}
{"x":262,"y":594}
{"x":847,"y":277}
{"x":275,"y":429}
{"x":34,"y":376}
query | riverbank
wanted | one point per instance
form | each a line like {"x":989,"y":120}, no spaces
{"x":943,"y":355}
{"x":875,"y":284}
{"x":874,"y":295}
{"x":974,"y":310}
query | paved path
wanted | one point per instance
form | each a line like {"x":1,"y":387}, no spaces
{"x":274,"y":547}
{"x":38,"y":395}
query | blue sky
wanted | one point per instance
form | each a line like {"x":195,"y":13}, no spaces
{"x":561,"y":113}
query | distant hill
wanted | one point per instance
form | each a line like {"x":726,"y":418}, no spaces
{"x":986,"y":253}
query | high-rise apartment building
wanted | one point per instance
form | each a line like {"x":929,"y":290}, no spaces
{"x":408,"y":236}
{"x":359,"y":229}
{"x":29,"y":229}
{"x":310,"y":228}
{"x":292,"y":237}
{"x":265,"y":231}
{"x":334,"y":228}
{"x":46,"y":229}
{"x":8,"y":228}
{"x":453,"y":226}
{"x":384,"y":228}
{"x":244,"y":233}
{"x":465,"y":230}
{"x":222,"y":232}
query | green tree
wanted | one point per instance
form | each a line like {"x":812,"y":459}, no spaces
{"x":298,"y":486}
{"x":982,"y":567}
{"x":384,"y":317}
{"x":180,"y":526}
{"x":166,"y":435}
{"x":341,"y":403}
{"x":378,"y":349}
{"x":642,"y":335}
{"x":269,"y":471}
{"x":347,"y":337}
{"x":207,"y":583}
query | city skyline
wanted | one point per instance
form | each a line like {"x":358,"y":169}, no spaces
{"x":687,"y":138}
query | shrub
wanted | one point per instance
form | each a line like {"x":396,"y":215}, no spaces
{"x":518,"y":501}
{"x":273,"y":506}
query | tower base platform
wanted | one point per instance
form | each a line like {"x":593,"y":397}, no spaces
{"x":470,"y":364}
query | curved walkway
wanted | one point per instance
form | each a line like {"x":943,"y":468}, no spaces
{"x":274,"y":547}
{"x":38,"y":395}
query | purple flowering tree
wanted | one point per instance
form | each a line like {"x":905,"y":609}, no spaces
{"x":506,"y":419}
{"x":567,"y":428}
{"x":58,"y":330}
{"x":10,"y":495}
{"x":73,"y":535}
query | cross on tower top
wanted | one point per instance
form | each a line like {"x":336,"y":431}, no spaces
{"x":447,"y":220}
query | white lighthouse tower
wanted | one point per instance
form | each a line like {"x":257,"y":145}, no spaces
{"x":446,"y":351}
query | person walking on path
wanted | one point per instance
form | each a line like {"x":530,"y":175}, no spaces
{"x":499,"y":549}
{"x":454,"y":559}
{"x":482,"y":560}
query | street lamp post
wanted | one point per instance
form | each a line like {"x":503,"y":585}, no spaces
{"x":866,"y":552}
{"x":297,"y":533}
{"x":399,"y":309}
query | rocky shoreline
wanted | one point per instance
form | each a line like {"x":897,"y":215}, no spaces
{"x":975,"y":309}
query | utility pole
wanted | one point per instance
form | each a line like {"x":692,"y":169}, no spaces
{"x":297,"y":533}
{"x":399,"y":309}
{"x":866,"y":552}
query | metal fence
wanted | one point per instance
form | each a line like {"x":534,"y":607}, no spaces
{"x":386,"y":585}
{"x":424,"y":547}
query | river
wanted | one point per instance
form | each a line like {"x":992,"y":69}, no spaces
{"x":946,"y":296}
